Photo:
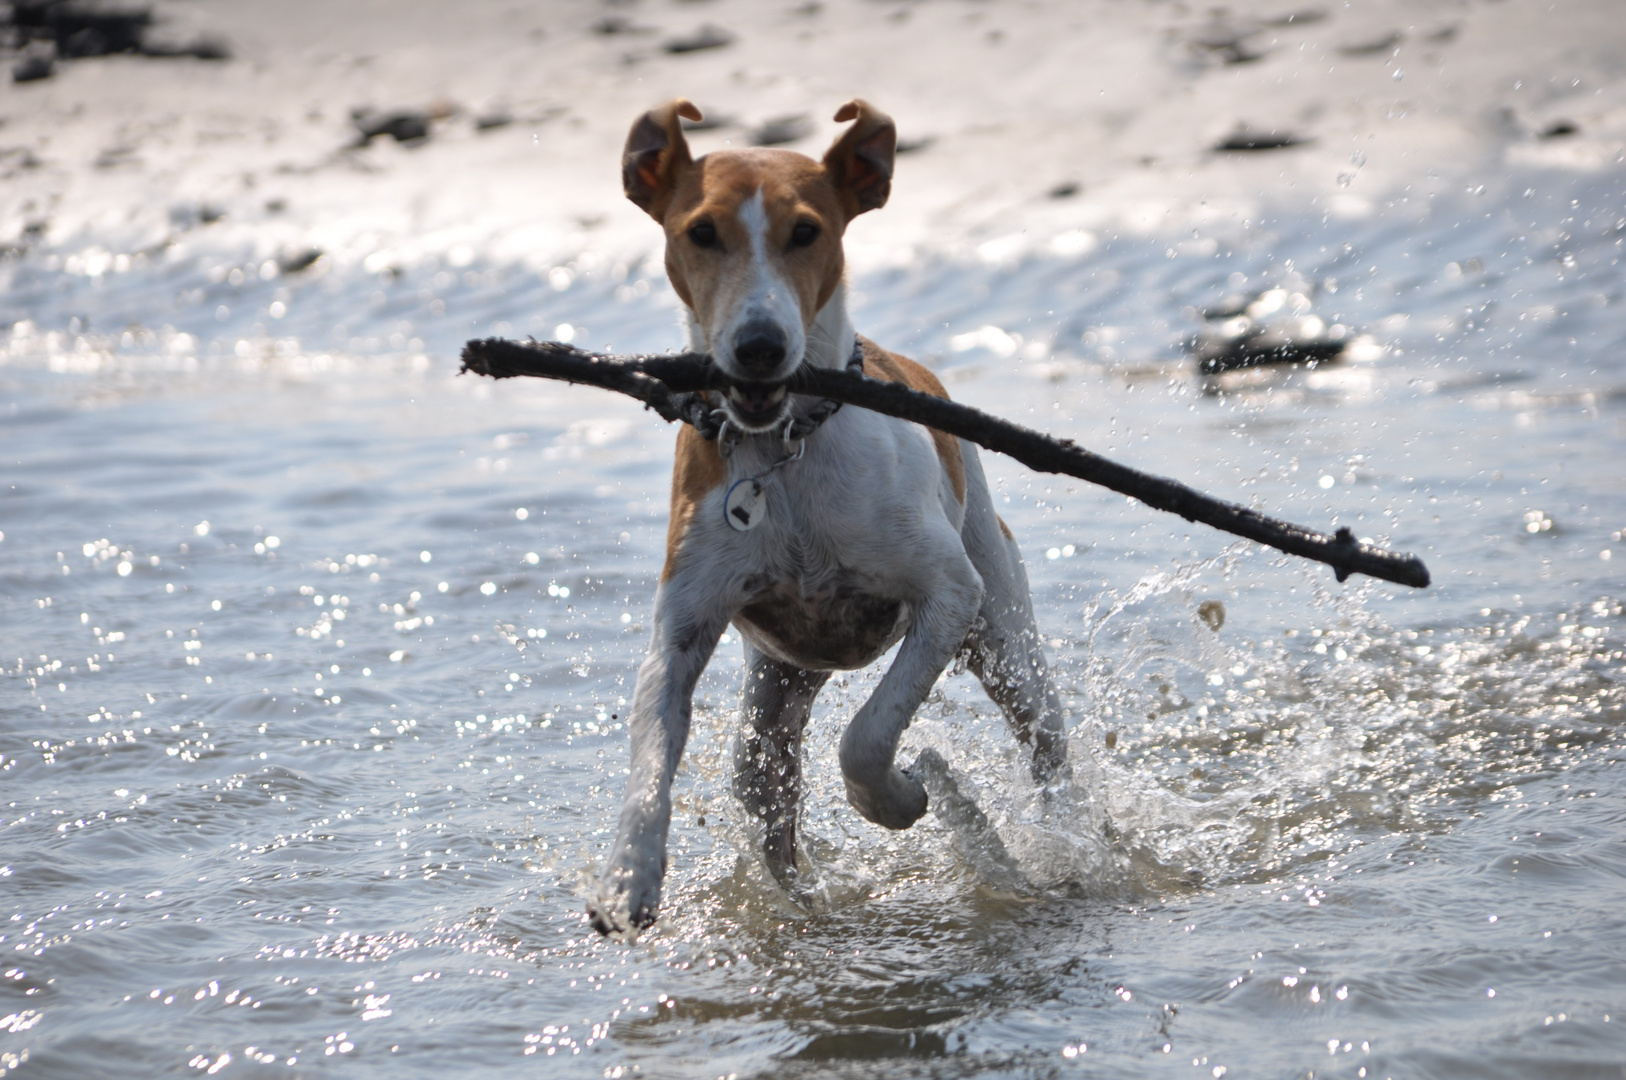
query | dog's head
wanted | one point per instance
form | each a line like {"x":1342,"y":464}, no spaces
{"x":753,"y":238}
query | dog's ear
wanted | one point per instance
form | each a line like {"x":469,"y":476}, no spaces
{"x":656,"y":150}
{"x":860,"y":162}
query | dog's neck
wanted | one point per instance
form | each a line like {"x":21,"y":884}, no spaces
{"x":829,"y":339}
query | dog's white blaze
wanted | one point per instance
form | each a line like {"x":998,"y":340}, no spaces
{"x":754,"y":216}
{"x":766,"y":296}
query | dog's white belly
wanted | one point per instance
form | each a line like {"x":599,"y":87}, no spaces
{"x":841,"y":625}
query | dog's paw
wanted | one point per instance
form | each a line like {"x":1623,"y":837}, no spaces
{"x":623,"y":903}
{"x":602,"y":920}
{"x":897,"y":802}
{"x":613,"y":917}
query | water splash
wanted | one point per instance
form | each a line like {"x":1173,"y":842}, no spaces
{"x":1202,"y":758}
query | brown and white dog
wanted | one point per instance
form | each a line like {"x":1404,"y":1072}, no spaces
{"x":879,"y":530}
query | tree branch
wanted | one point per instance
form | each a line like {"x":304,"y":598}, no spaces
{"x":655,"y":379}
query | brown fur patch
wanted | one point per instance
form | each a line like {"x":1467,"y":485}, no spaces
{"x":890,"y":367}
{"x":1004,"y":528}
{"x":697,"y":470}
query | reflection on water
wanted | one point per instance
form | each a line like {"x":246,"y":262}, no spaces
{"x":314,"y":659}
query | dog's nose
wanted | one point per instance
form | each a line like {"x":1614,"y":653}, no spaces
{"x":759,"y":347}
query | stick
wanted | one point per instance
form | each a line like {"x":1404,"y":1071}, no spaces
{"x":654,"y":379}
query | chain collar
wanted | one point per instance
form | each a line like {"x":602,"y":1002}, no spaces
{"x":695,"y":409}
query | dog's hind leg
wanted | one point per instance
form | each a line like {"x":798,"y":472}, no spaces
{"x":776,"y":699}
{"x":1003,"y":648}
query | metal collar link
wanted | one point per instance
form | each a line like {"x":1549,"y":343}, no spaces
{"x":712,"y":424}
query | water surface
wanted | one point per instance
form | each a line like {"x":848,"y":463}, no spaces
{"x":314,"y":655}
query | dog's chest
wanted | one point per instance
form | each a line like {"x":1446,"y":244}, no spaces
{"x":824,"y":575}
{"x":842,"y":623}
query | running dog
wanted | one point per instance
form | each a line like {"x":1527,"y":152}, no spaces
{"x":825,"y":535}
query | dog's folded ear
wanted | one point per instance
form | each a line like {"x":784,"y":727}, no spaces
{"x":656,"y":151}
{"x":860,"y":162}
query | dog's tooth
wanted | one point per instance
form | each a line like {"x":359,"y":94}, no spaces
{"x":734,"y":393}
{"x":777,"y":396}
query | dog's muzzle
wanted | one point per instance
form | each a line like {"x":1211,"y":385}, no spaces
{"x":759,"y":353}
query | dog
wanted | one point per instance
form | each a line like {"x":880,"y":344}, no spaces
{"x":824,"y":535}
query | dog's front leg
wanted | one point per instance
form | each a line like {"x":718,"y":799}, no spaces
{"x":687,"y":627}
{"x":876,"y":788}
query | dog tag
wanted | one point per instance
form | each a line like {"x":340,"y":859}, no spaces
{"x":746,"y":505}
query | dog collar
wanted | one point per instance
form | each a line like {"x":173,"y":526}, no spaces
{"x":712,"y":424}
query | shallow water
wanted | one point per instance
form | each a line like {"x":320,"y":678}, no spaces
{"x":313,"y":655}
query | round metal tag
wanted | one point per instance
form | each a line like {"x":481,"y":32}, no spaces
{"x":746,"y":505}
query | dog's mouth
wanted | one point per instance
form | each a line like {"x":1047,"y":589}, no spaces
{"x":757,"y":406}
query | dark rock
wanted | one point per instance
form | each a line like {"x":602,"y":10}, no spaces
{"x":33,"y":67}
{"x":211,"y":48}
{"x":495,"y":119}
{"x":115,"y":156}
{"x":1558,"y":129}
{"x":1065,"y":190}
{"x":1245,"y":139}
{"x":14,"y":158}
{"x":293,"y":261}
{"x":32,"y":233}
{"x":87,"y":42}
{"x":1273,"y":327}
{"x":1261,"y":347}
{"x":1226,"y":42}
{"x":84,"y":30}
{"x":707,"y":37}
{"x":915,"y":145}
{"x":403,"y":125}
{"x":1373,"y":48}
{"x":783,"y":129}
{"x":79,"y":29}
{"x":619,"y":24}
{"x":203,"y":48}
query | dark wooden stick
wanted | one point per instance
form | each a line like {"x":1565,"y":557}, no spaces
{"x":654,"y":379}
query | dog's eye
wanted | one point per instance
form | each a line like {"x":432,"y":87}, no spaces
{"x":704,"y":234}
{"x":804,"y":234}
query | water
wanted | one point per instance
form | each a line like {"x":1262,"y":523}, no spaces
{"x":314,"y":654}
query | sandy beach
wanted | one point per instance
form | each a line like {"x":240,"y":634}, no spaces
{"x":1028,"y":120}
